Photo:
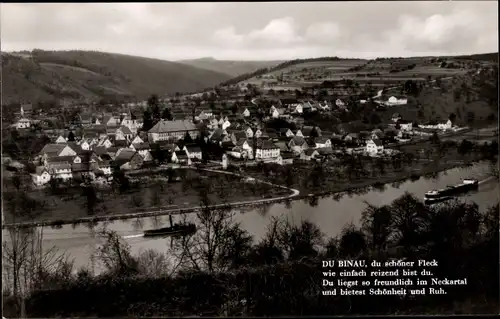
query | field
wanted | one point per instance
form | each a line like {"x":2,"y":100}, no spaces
{"x":149,"y":194}
{"x":377,"y":73}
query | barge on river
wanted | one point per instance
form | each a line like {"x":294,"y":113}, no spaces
{"x":439,"y":194}
{"x":173,"y":230}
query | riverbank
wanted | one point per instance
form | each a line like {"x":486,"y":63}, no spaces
{"x":294,"y":194}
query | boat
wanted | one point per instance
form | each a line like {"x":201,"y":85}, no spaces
{"x":431,"y":201}
{"x":465,"y":186}
{"x":173,"y":230}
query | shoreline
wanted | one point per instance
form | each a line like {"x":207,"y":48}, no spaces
{"x":296,"y":195}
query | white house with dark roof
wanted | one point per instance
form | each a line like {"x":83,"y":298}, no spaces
{"x":181,"y":157}
{"x":41,"y":176}
{"x":54,"y":150}
{"x":172,"y":130}
{"x":266,"y":150}
{"x":297,"y":144}
{"x":193,"y":151}
{"x":374,"y":147}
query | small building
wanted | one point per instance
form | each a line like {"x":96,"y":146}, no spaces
{"x":323,"y":142}
{"x":22,"y":123}
{"x":374,"y":147}
{"x":298,"y":144}
{"x":309,"y":154}
{"x":41,"y":176}
{"x":266,"y":150}
{"x":128,"y":159}
{"x":193,"y":152}
{"x":181,"y":157}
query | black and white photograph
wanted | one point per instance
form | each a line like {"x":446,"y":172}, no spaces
{"x":249,"y":159}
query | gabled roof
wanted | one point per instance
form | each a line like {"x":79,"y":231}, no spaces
{"x":321,"y":139}
{"x":125,"y":130}
{"x":193,"y":148}
{"x":141,"y":146}
{"x":52,"y":149}
{"x":298,"y":140}
{"x":266,"y":145}
{"x":172,"y":126}
{"x":75,"y":147}
{"x":125,"y":154}
{"x":61,"y":159}
{"x":181,"y":154}
{"x":309,"y":152}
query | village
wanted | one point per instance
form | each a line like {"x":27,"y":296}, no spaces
{"x":253,"y":130}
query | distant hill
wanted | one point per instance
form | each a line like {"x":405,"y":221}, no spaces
{"x":90,"y":76}
{"x":479,"y":57}
{"x":232,"y":68}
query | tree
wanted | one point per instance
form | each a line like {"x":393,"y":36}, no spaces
{"x":375,"y":119}
{"x":435,"y":138}
{"x":219,"y":243}
{"x":471,"y":117}
{"x":167,"y":115}
{"x":147,"y":120}
{"x":188,"y":139}
{"x":71,"y":136}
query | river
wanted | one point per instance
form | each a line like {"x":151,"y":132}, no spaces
{"x":329,"y":214}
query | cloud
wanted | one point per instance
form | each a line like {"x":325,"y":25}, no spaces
{"x":262,"y":30}
{"x":323,"y":32}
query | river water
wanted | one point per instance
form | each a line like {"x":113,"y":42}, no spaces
{"x":329,"y":214}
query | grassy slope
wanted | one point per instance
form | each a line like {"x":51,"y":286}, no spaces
{"x":88,"y":75}
{"x":232,"y":68}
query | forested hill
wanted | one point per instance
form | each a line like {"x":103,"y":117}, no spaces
{"x":90,"y":76}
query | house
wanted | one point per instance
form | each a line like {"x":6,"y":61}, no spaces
{"x":286,"y":132}
{"x":396,"y":101}
{"x":60,"y":140}
{"x":396,"y":117}
{"x":123,"y":133}
{"x":266,"y":150}
{"x":439,"y":126}
{"x":137,"y":140}
{"x":144,"y":150}
{"x":296,"y":108}
{"x":61,"y":171}
{"x":105,"y":167}
{"x":193,"y":151}
{"x":22,"y":123}
{"x":181,"y":157}
{"x":248,"y":131}
{"x":374,"y":147}
{"x":54,"y":150}
{"x":128,"y":159}
{"x":246,"y":113}
{"x":297,"y":144}
{"x":309,"y":154}
{"x":405,"y":126}
{"x":339,"y":103}
{"x":236,"y":136}
{"x":298,"y":133}
{"x":172,"y":130}
{"x":84,"y":144}
{"x":272,"y":110}
{"x":105,"y":142}
{"x":41,"y":176}
{"x":257,"y":133}
{"x":226,"y":124}
{"x":110,"y":120}
{"x":286,"y":158}
{"x":323,"y":142}
{"x":85,"y":119}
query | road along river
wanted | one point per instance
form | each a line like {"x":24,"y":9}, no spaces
{"x":330,"y":214}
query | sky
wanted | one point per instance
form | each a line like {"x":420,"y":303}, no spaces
{"x":253,"y":30}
